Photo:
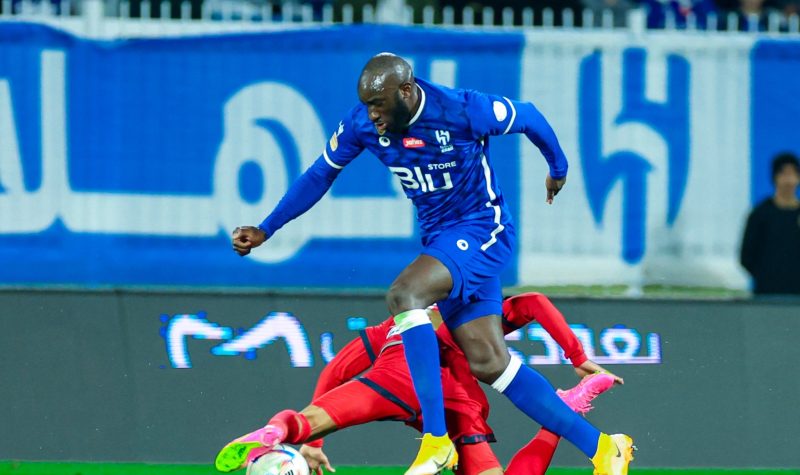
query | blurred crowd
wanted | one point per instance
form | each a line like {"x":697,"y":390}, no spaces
{"x":748,"y":14}
{"x":743,"y":15}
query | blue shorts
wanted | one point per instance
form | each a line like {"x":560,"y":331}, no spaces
{"x":475,"y":255}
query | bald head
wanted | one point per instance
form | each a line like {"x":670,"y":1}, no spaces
{"x":385,"y":70}
{"x":387,"y":88}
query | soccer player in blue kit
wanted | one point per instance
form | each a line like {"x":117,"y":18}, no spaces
{"x":436,"y":141}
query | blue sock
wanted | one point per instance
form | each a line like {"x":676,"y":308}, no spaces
{"x":422,"y":354}
{"x":533,"y":395}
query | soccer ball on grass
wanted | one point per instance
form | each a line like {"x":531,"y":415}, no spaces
{"x":282,"y":460}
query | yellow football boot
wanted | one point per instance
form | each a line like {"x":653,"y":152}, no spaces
{"x":435,"y":454}
{"x":614,"y":453}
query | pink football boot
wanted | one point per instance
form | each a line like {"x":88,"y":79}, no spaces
{"x":238,"y":453}
{"x":580,"y":397}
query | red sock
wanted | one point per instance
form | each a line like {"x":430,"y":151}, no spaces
{"x":534,"y":458}
{"x":294,"y":425}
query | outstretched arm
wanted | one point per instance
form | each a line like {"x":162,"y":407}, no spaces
{"x":307,"y":190}
{"x":301,"y":196}
{"x":522,"y":309}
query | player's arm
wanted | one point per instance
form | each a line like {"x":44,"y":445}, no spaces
{"x":522,"y":309}
{"x":497,"y":115}
{"x":750,"y":242}
{"x":307,"y":190}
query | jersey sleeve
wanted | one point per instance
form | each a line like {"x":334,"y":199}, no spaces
{"x":343,"y":146}
{"x":522,"y":309}
{"x":312,"y":185}
{"x":498,"y":115}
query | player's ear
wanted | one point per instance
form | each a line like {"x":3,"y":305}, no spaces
{"x":405,"y":90}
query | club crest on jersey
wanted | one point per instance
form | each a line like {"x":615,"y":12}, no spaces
{"x":443,"y":137}
{"x":383,"y":140}
{"x":412,"y":142}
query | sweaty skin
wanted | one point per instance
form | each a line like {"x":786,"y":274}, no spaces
{"x":388,"y":89}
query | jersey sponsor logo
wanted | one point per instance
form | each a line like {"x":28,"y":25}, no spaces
{"x":384,"y":141}
{"x":441,"y":166}
{"x":414,"y":179}
{"x":443,"y":137}
{"x":413,"y":142}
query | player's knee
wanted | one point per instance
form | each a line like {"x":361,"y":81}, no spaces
{"x":402,"y":297}
{"x":488,"y":366}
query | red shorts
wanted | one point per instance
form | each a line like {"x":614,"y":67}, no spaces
{"x":354,"y":403}
{"x":387,"y":392}
{"x":474,"y":459}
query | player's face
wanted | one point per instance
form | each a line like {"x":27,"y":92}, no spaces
{"x":387,"y":109}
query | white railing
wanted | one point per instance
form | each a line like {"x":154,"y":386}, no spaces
{"x":110,"y":18}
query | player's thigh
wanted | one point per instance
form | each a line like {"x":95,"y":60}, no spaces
{"x":355,"y":403}
{"x":420,"y":284}
{"x":477,"y":459}
{"x":472,"y":256}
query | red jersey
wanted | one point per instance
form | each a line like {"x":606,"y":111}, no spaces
{"x":380,"y":347}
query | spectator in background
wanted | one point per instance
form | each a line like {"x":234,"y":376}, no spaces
{"x":752,"y":15}
{"x":618,"y":8}
{"x":789,"y":7}
{"x":662,"y":13}
{"x":771,"y":244}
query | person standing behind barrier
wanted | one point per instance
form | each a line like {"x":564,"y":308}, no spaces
{"x":771,"y":244}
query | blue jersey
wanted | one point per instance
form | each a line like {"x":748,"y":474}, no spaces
{"x":442,"y":158}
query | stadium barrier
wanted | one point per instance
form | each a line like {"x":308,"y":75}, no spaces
{"x":108,"y":18}
{"x":172,"y":376}
{"x":135,"y":159}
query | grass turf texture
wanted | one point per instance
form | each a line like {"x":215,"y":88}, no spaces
{"x":48,"y":468}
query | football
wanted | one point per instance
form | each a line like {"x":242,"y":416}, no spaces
{"x":282,"y":460}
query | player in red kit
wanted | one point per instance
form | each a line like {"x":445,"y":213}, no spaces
{"x":385,"y":391}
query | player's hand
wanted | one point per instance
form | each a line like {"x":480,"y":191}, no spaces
{"x":316,"y":459}
{"x":590,"y":367}
{"x":553,"y":186}
{"x":245,"y":238}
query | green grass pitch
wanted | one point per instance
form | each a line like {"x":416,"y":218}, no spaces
{"x":47,"y":468}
